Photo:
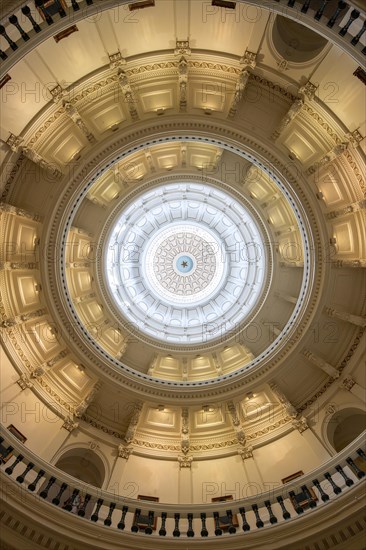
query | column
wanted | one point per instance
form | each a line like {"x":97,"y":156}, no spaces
{"x":60,"y":97}
{"x":307,"y":91}
{"x":357,"y":320}
{"x":286,"y":297}
{"x":37,"y":372}
{"x":20,"y":319}
{"x":360,"y":263}
{"x":252,"y":472}
{"x":299,"y":422}
{"x":185,"y":443}
{"x":237,"y":425}
{"x":247,"y":61}
{"x":354,"y":207}
{"x":321,"y":364}
{"x":20,"y":212}
{"x":14,"y":143}
{"x":349,"y":384}
{"x":335,"y":152}
{"x":131,"y":430}
{"x":81,"y":408}
{"x":182,"y":50}
{"x":185,"y":488}
{"x":114,"y":483}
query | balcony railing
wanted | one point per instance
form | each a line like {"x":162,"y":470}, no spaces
{"x":293,"y":500}
{"x":324,"y":16}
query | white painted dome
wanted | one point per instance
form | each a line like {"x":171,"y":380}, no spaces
{"x":190,"y":268}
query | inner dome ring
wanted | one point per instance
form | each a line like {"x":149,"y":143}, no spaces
{"x":228,"y":254}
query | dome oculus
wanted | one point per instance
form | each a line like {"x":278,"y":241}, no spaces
{"x":190,"y":267}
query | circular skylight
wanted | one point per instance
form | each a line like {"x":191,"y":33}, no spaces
{"x":185,"y":263}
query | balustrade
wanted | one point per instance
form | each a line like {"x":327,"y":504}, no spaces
{"x":292,"y":500}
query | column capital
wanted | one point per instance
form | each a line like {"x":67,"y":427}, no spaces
{"x":185,"y":461}
{"x":124,"y":452}
{"x":249,"y":59}
{"x":246,"y":452}
{"x":69,"y":424}
{"x":182,"y":47}
{"x":347,"y":383}
{"x":24,"y":382}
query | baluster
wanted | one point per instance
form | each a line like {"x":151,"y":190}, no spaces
{"x":9,"y":449}
{"x":121,"y":524}
{"x":190,"y":532}
{"x":341,"y":5}
{"x":354,"y":15}
{"x":347,"y":479}
{"x":356,"y":38}
{"x":81,"y":512}
{"x":21,"y":478}
{"x":291,"y":3}
{"x":57,"y":498}
{"x":44,"y":493}
{"x":27,"y":12}
{"x":68,"y":506}
{"x":361,"y":453}
{"x":259,"y":522}
{"x":305,"y":6}
{"x":336,"y":489}
{"x":218,"y":531}
{"x":148,"y":529}
{"x":246,"y":526}
{"x":204,"y":532}
{"x":60,"y":9}
{"x":298,"y":509}
{"x":323,"y":494}
{"x":1,"y":440}
{"x":272,"y":517}
{"x":9,"y":469}
{"x":311,"y":500}
{"x":176,"y":532}
{"x":14,"y":21}
{"x":162,"y":530}
{"x":285,"y":513}
{"x":359,"y":473}
{"x":321,"y":9}
{"x":136,"y":517}
{"x":231,"y":529}
{"x":32,"y":486}
{"x":75,"y":5}
{"x":3,"y":55}
{"x":95,"y":515}
{"x":7,"y":38}
{"x":108,"y":519}
{"x":46,"y":15}
{"x":89,"y":2}
{"x":363,"y":50}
